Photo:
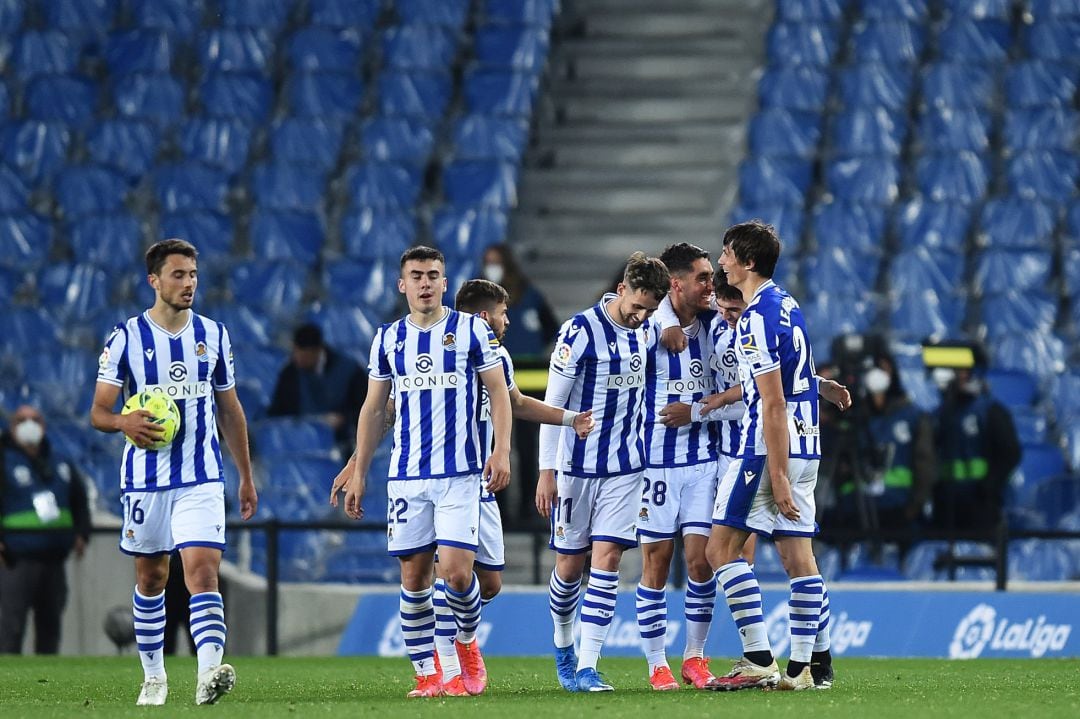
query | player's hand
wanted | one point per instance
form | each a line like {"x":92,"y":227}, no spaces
{"x":785,"y":502}
{"x":676,"y":414}
{"x":140,"y":428}
{"x":339,"y":483}
{"x":584,"y":423}
{"x":674,"y":339}
{"x":79,"y":547}
{"x":836,"y":393}
{"x":546,"y":491}
{"x":497,"y":471}
{"x":354,"y":496}
{"x":249,"y":500}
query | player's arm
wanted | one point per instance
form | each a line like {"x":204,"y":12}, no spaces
{"x":497,"y":469}
{"x":137,"y":425}
{"x":833,"y":391}
{"x":775,"y":431}
{"x":718,"y":407}
{"x":369,"y":432}
{"x":233,"y":426}
{"x":557,"y":395}
{"x":531,"y":409}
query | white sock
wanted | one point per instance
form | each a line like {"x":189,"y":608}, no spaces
{"x":823,"y":641}
{"x":743,"y":596}
{"x":803,"y":610}
{"x":208,"y":628}
{"x":597,"y":610}
{"x":562,"y":601}
{"x":418,"y":629}
{"x":149,"y":616}
{"x":445,"y":632}
{"x":700,"y":600}
{"x":652,"y":624}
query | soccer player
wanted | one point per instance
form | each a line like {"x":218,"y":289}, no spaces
{"x":598,"y":364}
{"x":174,"y":497}
{"x":488,"y":301}
{"x":770,"y":490}
{"x":436,"y":358}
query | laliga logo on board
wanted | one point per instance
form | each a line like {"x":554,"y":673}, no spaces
{"x":981,"y":628}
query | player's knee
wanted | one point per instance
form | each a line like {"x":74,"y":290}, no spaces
{"x":152,"y":580}
{"x":201,"y":578}
{"x":459,"y":580}
{"x":699,"y":569}
{"x":490,"y":585}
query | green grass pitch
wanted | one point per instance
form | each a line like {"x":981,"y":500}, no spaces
{"x":526,"y":687}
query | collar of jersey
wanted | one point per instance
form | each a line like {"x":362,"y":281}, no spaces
{"x":191,"y":316}
{"x":446,"y":314}
{"x":764,"y":286}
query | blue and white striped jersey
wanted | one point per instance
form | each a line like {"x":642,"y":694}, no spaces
{"x":725,"y":368}
{"x":435,"y":372}
{"x":771,"y":336}
{"x":188,"y":366}
{"x":607,"y":363}
{"x":487,"y":429}
{"x":685,"y":376}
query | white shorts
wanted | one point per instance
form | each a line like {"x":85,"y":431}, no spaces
{"x":722,"y":463}
{"x":491,"y":554}
{"x":677,"y":499}
{"x":159,"y":522}
{"x":423,"y":513}
{"x":744,"y":501}
{"x":591,"y":509}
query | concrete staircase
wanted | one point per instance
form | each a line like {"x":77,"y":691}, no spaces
{"x":639,"y":136}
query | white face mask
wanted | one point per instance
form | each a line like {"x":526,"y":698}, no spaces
{"x":876,"y":380}
{"x":493,"y":272}
{"x":28,"y":433}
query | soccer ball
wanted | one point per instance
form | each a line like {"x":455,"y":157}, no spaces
{"x":163,"y":411}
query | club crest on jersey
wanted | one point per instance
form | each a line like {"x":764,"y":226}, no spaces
{"x":643,"y":515}
{"x":449,"y":342}
{"x":130,"y":534}
{"x":559,"y":533}
{"x":200,"y":352}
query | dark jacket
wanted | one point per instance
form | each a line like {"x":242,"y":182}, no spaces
{"x":341,"y":387}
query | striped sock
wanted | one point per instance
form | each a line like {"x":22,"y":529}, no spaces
{"x":445,"y":632}
{"x":562,"y":601}
{"x":700,"y":599}
{"x":208,"y":628}
{"x":597,"y":609}
{"x":466,"y":609}
{"x":744,"y":601}
{"x":149,"y":613}
{"x":652,"y":624}
{"x":803,"y":610}
{"x":823,"y":641}
{"x":418,"y":629}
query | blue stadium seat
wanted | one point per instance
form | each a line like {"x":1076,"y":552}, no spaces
{"x":482,"y":137}
{"x":307,"y":141}
{"x":13,"y":191}
{"x":279,"y":186}
{"x":272,"y":285}
{"x":155,"y":97}
{"x":464,"y":233}
{"x":833,"y":313}
{"x":219,"y":142}
{"x":211,"y":232}
{"x":61,"y":378}
{"x":1072,"y":222}
{"x":62,"y":98}
{"x":5,"y":100}
{"x":846,"y":226}
{"x":358,"y":14}
{"x":764,"y":180}
{"x":418,"y":47}
{"x":975,"y":41}
{"x":125,"y":145}
{"x":370,"y":284}
{"x":960,"y":177}
{"x":1070,"y":435}
{"x":449,"y":13}
{"x":1031,"y":425}
{"x":795,"y":87}
{"x":980,"y":9}
{"x":785,"y":133}
{"x":946,"y":129}
{"x":1053,"y":40}
{"x":229,"y":49}
{"x":44,"y":52}
{"x":958,"y":85}
{"x":833,"y":266}
{"x":347,"y":328}
{"x":299,"y":552}
{"x":179,"y":18}
{"x":1016,"y":222}
{"x":322,"y":49}
{"x":362,"y":565}
{"x":35,"y":149}
{"x":88,"y":190}
{"x":190,"y":186}
{"x":112,"y":241}
{"x":252,"y":399}
{"x":936,"y":225}
{"x":498,"y":92}
{"x":871,"y":85}
{"x":805,"y":10}
{"x":516,"y":47}
{"x":283,"y":439}
{"x":325,"y":94}
{"x":248,"y":330}
{"x":1041,"y":128}
{"x":232,"y":94}
{"x":479,"y":183}
{"x":1038,"y":560}
{"x":258,"y":365}
{"x":1043,"y":174}
{"x":876,"y":131}
{"x":801,"y":43}
{"x":922,"y":312}
{"x":383,"y":185}
{"x":1070,"y":278}
{"x":288,"y":235}
{"x":72,"y":291}
{"x":924,"y":561}
{"x":397,"y":139}
{"x":1047,"y":9}
{"x":870,"y":179}
{"x":10,"y":281}
{"x":138,"y":51}
{"x":370,"y":233}
{"x":999,"y":270}
{"x":890,"y":42}
{"x":25,"y":240}
{"x":1040,"y":354}
{"x":73,"y":439}
{"x":913,"y":10}
{"x":520,"y":12}
{"x":1038,"y":463}
{"x":767,"y":564}
{"x":1033,"y":83}
{"x":787,"y":219}
{"x":1003,"y":313}
{"x":267,"y":14}
{"x":11,"y":16}
{"x":30,"y":329}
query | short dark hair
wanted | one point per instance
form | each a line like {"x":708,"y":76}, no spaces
{"x":477,"y":296}
{"x":680,"y":258}
{"x":648,"y":274}
{"x":754,"y":241}
{"x":307,"y":335}
{"x":422,"y":253}
{"x":159,"y":252}
{"x":725,"y":291}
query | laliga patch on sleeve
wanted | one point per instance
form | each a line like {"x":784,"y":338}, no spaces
{"x":104,"y":358}
{"x":563,"y":354}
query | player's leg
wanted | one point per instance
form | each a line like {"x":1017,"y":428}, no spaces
{"x":16,"y":598}
{"x":52,"y":592}
{"x":445,"y":629}
{"x":695,"y":521}
{"x":657,"y":524}
{"x":821,"y":659}
{"x":570,"y":528}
